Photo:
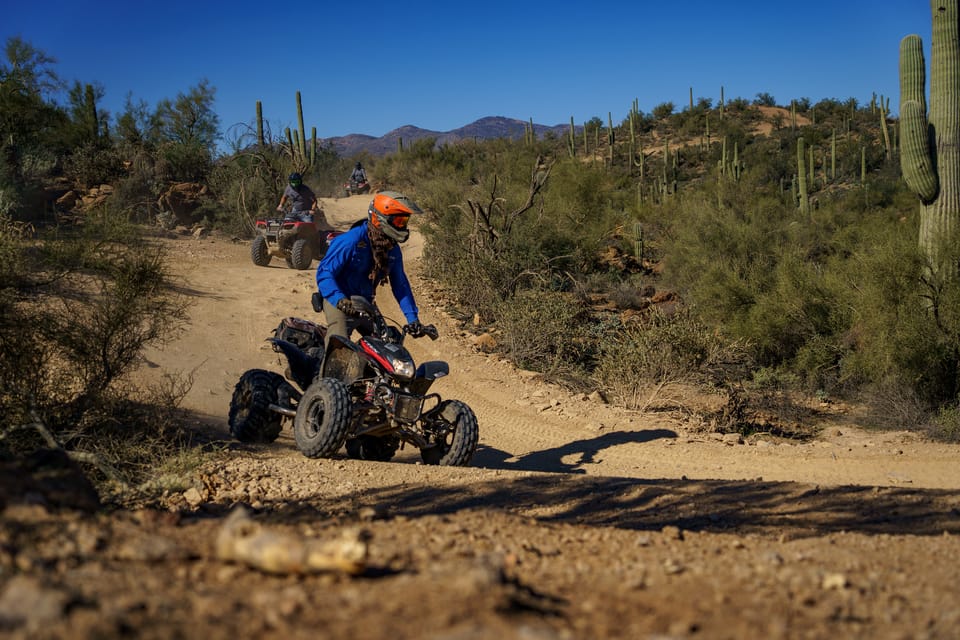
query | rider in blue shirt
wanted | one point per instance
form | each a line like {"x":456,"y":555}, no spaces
{"x":364,"y":257}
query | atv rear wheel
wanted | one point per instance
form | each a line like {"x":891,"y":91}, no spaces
{"x":250,"y":418}
{"x":323,"y":418}
{"x":379,"y":448}
{"x":260,"y":252}
{"x":301,"y":255}
{"x":454,"y":436}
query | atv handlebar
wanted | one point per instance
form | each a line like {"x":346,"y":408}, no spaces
{"x":366,"y":308}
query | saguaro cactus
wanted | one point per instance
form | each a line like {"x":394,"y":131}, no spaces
{"x":610,"y":137}
{"x":302,"y":144}
{"x":930,"y":143}
{"x":802,"y":179}
{"x":259,"y":125}
{"x":91,"y":107}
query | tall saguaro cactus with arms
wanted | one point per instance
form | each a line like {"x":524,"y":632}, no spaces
{"x":930,"y":143}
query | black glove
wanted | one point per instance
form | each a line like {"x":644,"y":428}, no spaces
{"x":346,"y":306}
{"x":414,"y":329}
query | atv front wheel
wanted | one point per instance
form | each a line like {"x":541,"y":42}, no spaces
{"x":323,"y":418}
{"x":260,"y":252}
{"x":300,"y":254}
{"x":251,"y":419}
{"x":454,"y":435}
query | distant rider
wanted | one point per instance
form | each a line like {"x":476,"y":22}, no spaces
{"x":303,"y":203}
{"x":358,"y":175}
{"x":364,"y":257}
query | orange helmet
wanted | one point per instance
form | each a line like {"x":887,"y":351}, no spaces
{"x":390,"y":211}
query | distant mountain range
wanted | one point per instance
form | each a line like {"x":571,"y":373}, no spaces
{"x":488,"y":128}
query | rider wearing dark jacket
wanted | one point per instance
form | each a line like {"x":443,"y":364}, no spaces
{"x":358,"y":175}
{"x":364,"y":257}
{"x":303,"y":202}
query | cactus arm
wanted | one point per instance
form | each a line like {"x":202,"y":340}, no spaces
{"x":916,"y":161}
{"x":302,"y":140}
{"x":944,"y":110}
{"x":912,"y":71}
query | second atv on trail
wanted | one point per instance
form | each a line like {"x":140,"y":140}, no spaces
{"x":299,"y":242}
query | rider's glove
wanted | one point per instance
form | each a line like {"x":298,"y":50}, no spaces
{"x":346,"y":306}
{"x":279,"y":208}
{"x":414,"y":329}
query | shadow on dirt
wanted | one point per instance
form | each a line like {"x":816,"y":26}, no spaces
{"x":780,"y":509}
{"x":552,"y":460}
{"x":553,"y":488}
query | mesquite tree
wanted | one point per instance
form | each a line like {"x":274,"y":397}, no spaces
{"x":930,"y":154}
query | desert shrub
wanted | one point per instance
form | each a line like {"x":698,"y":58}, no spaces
{"x":486,"y":246}
{"x":642,"y":358}
{"x":76,"y":311}
{"x":631,"y":292}
{"x":136,"y":195}
{"x":899,"y":329}
{"x":663,"y":110}
{"x":945,"y":425}
{"x":184,"y":162}
{"x":538,"y":330}
{"x":92,"y":164}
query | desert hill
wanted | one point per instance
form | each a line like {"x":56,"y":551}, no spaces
{"x":488,"y":128}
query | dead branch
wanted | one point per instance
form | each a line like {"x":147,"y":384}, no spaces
{"x":538,"y":179}
{"x":38,"y":425}
{"x":485,"y":232}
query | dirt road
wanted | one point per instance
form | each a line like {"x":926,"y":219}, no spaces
{"x":576,"y":520}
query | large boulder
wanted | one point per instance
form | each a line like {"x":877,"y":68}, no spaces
{"x":68,"y":201}
{"x":182,"y":200}
{"x":96,"y":196}
{"x":48,"y":478}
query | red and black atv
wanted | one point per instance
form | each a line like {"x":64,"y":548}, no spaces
{"x":367,"y":395}
{"x":297,"y":241}
{"x":356,"y":187}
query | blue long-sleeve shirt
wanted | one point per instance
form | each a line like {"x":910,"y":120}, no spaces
{"x":345,"y":271}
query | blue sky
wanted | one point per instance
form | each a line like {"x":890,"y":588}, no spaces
{"x":370,"y":67}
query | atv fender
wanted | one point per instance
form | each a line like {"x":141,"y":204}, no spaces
{"x":343,"y":360}
{"x":426,"y":373}
{"x":432,"y":370}
{"x":303,"y":367}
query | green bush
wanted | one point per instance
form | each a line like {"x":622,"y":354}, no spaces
{"x":640,"y":358}
{"x":76,"y":311}
{"x":538,"y":330}
{"x":946,"y":424}
{"x":93,"y":164}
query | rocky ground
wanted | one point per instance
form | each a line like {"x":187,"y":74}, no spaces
{"x":576,"y":520}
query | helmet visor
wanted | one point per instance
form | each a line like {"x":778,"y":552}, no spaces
{"x":398,"y":221}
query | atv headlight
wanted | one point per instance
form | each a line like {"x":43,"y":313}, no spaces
{"x":402,"y":368}
{"x":392,"y":357}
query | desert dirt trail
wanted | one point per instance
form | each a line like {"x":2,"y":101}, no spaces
{"x":524,"y":424}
